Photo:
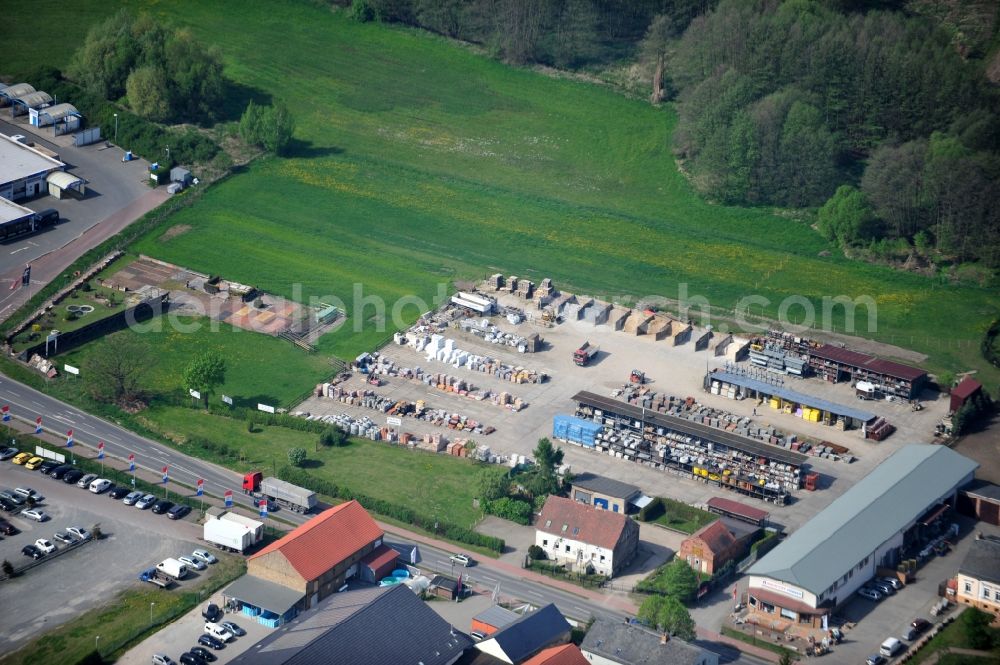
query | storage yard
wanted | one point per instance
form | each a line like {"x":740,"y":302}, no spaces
{"x":666,"y":430}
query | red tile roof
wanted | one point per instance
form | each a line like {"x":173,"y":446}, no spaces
{"x":326,"y":540}
{"x":716,"y":536}
{"x":737,"y":508}
{"x":967,"y":387}
{"x":380,"y":556}
{"x":571,"y":519}
{"x":567,"y":654}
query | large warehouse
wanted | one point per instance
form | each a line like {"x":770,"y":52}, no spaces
{"x":885,"y":517}
{"x":23,"y":170}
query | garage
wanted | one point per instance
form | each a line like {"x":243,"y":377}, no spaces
{"x":62,"y":185}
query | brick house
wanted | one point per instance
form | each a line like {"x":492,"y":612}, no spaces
{"x":586,"y":538}
{"x":709,"y":548}
{"x":318,"y":557}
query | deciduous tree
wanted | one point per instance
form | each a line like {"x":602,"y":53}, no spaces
{"x":205,"y":373}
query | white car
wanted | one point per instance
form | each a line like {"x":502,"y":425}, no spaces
{"x":145,"y":502}
{"x":45,"y":545}
{"x":192,"y":563}
{"x":27,"y":492}
{"x":204,"y":556}
{"x":100,"y":485}
{"x":35,"y":514}
{"x":162,"y":659}
{"x":219,"y":632}
{"x":78,"y":532}
{"x":86,"y":480}
{"x":461,"y":559}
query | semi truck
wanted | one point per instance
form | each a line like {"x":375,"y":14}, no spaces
{"x":585,"y":354}
{"x":284,"y":494}
{"x":173,"y":568}
{"x":233,"y":532}
{"x":154,"y":576}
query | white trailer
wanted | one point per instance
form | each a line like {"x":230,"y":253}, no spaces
{"x":287,"y":495}
{"x":232,"y":532}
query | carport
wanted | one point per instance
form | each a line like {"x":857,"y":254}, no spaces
{"x":62,"y":183}
{"x":11,"y":92}
{"x":268,"y":603}
{"x":64,"y":118}
{"x":32,"y":100}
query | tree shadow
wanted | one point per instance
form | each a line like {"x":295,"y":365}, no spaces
{"x":236,"y":96}
{"x":312,"y":464}
{"x":300,"y":149}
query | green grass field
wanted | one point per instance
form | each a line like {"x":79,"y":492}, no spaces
{"x":259,"y":368}
{"x":419,"y":160}
{"x":681,"y":517}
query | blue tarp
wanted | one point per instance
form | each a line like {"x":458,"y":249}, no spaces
{"x":576,"y":430}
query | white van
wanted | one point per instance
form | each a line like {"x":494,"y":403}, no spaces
{"x":173,"y":567}
{"x":100,"y":485}
{"x":890,"y":647}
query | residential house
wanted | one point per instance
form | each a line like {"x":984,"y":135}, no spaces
{"x":614,"y":643}
{"x":585,"y":538}
{"x":978,"y":581}
{"x":530,"y":634}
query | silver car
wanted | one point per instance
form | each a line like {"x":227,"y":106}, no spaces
{"x":870,"y":594}
{"x":131,"y":498}
{"x":145,"y":502}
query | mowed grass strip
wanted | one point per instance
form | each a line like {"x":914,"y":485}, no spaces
{"x":432,"y":484}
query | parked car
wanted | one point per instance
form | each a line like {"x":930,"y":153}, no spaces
{"x":145,"y":502}
{"x":7,"y":453}
{"x":29,"y":493}
{"x":72,"y":476}
{"x":233,"y":628}
{"x":8,"y":506}
{"x":162,"y":659}
{"x":197,"y":565}
{"x":21,"y":458}
{"x":64,"y":538}
{"x":34,"y":463}
{"x":212,"y":613}
{"x":84,"y":481}
{"x":45,"y":545}
{"x":917,"y":626}
{"x":179,"y":511}
{"x":892,"y":581}
{"x":870,"y":594}
{"x":204,"y":654}
{"x":461,"y":559}
{"x":78,"y":532}
{"x":60,"y":471}
{"x":212,"y":642}
{"x":119,"y":492}
{"x":131,"y":498}
{"x":886,"y":588}
{"x":875,"y":659}
{"x":13,"y":497}
{"x":162,"y":506}
{"x":100,"y":485}
{"x":6,"y":528}
{"x":35,"y":514}
{"x":188,"y":658}
{"x":218,"y":632}
{"x":47,"y":466}
{"x":204,"y":555}
{"x":32,"y":551}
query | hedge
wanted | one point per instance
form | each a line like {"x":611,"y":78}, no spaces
{"x":652,"y":511}
{"x":765,"y":544}
{"x":395,"y":511}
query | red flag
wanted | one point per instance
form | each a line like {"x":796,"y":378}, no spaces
{"x":165,"y":469}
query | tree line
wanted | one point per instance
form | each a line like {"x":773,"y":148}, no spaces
{"x":872,"y":116}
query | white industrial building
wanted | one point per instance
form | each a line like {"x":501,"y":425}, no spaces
{"x":23,"y":170}
{"x":876,"y":524}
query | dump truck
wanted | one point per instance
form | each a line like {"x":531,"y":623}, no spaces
{"x":153,"y":576}
{"x":284,"y":494}
{"x":585,"y":354}
{"x":233,"y":533}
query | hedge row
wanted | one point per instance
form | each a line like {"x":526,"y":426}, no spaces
{"x":765,"y":544}
{"x":246,"y":413}
{"x":652,"y":511}
{"x":392,"y":510}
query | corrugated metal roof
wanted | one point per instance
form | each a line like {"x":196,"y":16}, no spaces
{"x":262,"y":593}
{"x":325,"y":540}
{"x":59,"y":111}
{"x":496,"y":616}
{"x":967,"y":387}
{"x":34,"y":99}
{"x":16,"y":90}
{"x":983,"y":489}
{"x":854,"y":525}
{"x":737,"y":508}
{"x":793,"y":396}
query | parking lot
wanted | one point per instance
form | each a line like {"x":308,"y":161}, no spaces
{"x":64,"y":586}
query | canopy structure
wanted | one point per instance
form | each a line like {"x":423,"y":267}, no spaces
{"x":11,"y":92}
{"x":31,"y":100}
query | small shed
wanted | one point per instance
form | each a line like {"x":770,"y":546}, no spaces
{"x":61,"y":184}
{"x":444,"y":587}
{"x":181,"y":175}
{"x":963,"y":392}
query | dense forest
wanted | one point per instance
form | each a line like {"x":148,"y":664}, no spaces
{"x":880,"y":115}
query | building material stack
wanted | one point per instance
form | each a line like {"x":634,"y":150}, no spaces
{"x":525,"y":288}
{"x":496,"y":282}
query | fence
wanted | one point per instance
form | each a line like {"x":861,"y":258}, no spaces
{"x":18,"y":570}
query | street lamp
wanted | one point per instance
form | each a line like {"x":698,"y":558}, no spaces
{"x":96,"y":648}
{"x":151,"y":613}
{"x":168,"y":153}
{"x":116,"y":128}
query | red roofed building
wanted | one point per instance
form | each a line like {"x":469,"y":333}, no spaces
{"x":317,"y":557}
{"x":566,"y":654}
{"x":586,"y":538}
{"x":961,"y":393}
{"x":709,"y":548}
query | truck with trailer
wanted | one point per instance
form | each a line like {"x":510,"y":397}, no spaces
{"x":154,"y":576}
{"x":233,"y":533}
{"x":173,"y":568}
{"x":282,"y":493}
{"x":585,"y":354}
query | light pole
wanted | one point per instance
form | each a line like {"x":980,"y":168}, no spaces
{"x":96,"y":648}
{"x":116,"y":129}
{"x":151,"y":613}
{"x":168,"y":153}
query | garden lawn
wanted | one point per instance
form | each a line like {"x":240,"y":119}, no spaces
{"x":430,"y":484}
{"x":953,"y":635}
{"x":682,"y":517}
{"x":259,"y":368}
{"x":417,"y":160}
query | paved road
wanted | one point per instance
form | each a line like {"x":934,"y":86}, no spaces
{"x":58,"y":417}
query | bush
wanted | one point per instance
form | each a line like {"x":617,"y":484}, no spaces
{"x":362,"y":11}
{"x":536,"y":553}
{"x":765,"y":544}
{"x":333,"y":436}
{"x":514,"y":510}
{"x":652,"y":511}
{"x":296,"y":456}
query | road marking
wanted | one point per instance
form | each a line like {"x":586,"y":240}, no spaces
{"x":488,"y":579}
{"x":533,"y":593}
{"x":20,"y":250}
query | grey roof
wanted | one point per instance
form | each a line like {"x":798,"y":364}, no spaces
{"x":33,"y":100}
{"x":983,"y":489}
{"x":20,"y":161}
{"x":891,"y":497}
{"x":606,"y":486}
{"x":793,"y":396}
{"x":983,"y":560}
{"x":10,"y":211}
{"x":59,"y":111}
{"x":496,"y":616}
{"x":531,"y":633}
{"x":632,"y":644}
{"x":369,"y":626}
{"x":264,"y":594}
{"x":16,"y":90}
